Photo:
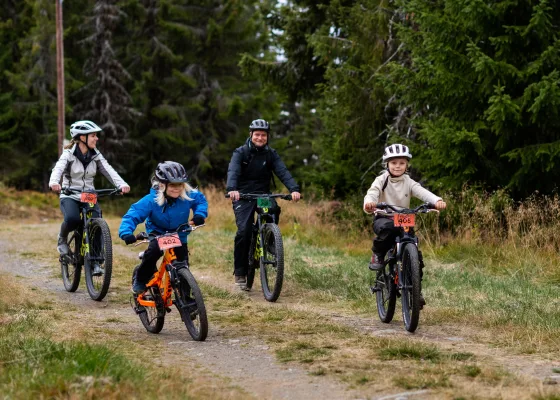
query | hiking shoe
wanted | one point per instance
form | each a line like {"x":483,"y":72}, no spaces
{"x":62,"y":246}
{"x":241,"y":281}
{"x":138,"y":287}
{"x":422,"y":301}
{"x":97,"y":270}
{"x":376,"y":262}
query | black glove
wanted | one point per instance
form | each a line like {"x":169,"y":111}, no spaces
{"x":129,"y":239}
{"x":198,"y":220}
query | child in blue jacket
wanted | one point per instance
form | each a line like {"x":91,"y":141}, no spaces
{"x":167,"y":206}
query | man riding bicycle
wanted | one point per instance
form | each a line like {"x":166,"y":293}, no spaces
{"x":250,"y":171}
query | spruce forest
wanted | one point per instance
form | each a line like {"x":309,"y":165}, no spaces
{"x":473,"y":87}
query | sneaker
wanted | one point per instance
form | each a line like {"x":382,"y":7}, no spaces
{"x":62,"y":246}
{"x":376,"y":262}
{"x":241,"y":281}
{"x":138,"y":287}
{"x":97,"y":270}
{"x":422,"y":301}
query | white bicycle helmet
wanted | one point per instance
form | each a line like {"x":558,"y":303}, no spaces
{"x":83,"y":128}
{"x":396,"y":150}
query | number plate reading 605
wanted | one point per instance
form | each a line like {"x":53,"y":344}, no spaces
{"x":263,"y":202}
{"x":168,"y":242}
{"x":404,"y":219}
{"x":88,"y":198}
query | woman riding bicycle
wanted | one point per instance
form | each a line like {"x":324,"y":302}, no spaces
{"x":396,"y":188}
{"x":77,"y":167}
{"x":167,"y":206}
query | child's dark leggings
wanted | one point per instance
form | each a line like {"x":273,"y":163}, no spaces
{"x":385,"y":235}
{"x":152,"y":255}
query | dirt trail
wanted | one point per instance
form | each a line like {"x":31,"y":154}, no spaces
{"x":246,"y":361}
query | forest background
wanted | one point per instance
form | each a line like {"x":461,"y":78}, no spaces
{"x":471,"y":86}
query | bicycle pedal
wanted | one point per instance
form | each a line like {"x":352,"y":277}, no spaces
{"x":374,"y":289}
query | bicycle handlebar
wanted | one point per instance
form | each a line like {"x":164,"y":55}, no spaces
{"x":144,"y":237}
{"x":387,"y":209}
{"x":254,"y":196}
{"x":100,"y":192}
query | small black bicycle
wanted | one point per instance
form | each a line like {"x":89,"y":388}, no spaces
{"x":401,"y":273}
{"x":267,"y":249}
{"x":89,"y":246}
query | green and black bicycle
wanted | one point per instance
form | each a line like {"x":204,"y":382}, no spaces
{"x":89,"y":246}
{"x":267,"y":249}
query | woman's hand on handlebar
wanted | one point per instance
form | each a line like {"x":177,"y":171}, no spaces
{"x":233,"y":195}
{"x":296,"y":196}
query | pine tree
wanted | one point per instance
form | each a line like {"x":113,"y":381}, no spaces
{"x":480,"y":92}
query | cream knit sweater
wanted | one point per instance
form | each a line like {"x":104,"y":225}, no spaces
{"x":398,"y":191}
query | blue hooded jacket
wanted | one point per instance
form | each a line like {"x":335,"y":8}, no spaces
{"x":162,"y":219}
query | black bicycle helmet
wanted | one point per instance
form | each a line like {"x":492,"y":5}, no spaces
{"x":171,"y":172}
{"x":259,"y":125}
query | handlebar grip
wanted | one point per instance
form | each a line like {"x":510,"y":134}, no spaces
{"x":381,"y":205}
{"x":227,"y":195}
{"x":142,"y":236}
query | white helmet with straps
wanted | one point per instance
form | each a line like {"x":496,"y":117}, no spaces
{"x":396,"y":150}
{"x":83,"y":128}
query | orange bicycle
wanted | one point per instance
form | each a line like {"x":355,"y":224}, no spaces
{"x":173,"y":279}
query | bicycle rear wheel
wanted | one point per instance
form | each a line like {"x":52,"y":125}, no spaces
{"x":99,"y":259}
{"x":385,"y":294}
{"x":189,"y":302}
{"x":272,"y":262}
{"x":410,"y":287}
{"x":70,"y":264}
{"x":152,"y":318}
{"x":252,"y":261}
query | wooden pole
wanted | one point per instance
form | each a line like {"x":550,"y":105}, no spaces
{"x":60,"y":75}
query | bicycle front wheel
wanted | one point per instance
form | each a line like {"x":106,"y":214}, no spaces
{"x":272,"y":262}
{"x":70,"y":264}
{"x":410,"y":287}
{"x":189,"y":302}
{"x":99,"y":259}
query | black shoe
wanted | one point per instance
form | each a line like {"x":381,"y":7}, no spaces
{"x":422,"y":301}
{"x":97,"y":270}
{"x":62,"y":246}
{"x":376,"y":262}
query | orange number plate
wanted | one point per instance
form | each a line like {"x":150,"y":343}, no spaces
{"x":89,"y":198}
{"x":168,"y":242}
{"x":405,"y":219}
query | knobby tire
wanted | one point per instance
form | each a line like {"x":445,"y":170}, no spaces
{"x":100,"y":247}
{"x":272,"y":276}
{"x":189,"y":302}
{"x":410,"y":287}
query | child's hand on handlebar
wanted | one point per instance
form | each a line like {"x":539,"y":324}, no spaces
{"x":296,"y":196}
{"x":440,"y":205}
{"x":370,"y":207}
{"x":129,"y":239}
{"x":125,"y":189}
{"x":56,"y":188}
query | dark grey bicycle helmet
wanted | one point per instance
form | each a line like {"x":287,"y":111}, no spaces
{"x":171,"y":172}
{"x":259,"y":125}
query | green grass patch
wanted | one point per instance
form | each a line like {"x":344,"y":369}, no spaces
{"x":409,"y":350}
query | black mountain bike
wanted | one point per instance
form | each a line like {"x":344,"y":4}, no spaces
{"x":89,"y":246}
{"x":267,"y":250}
{"x":401,"y":273}
{"x":173,"y":283}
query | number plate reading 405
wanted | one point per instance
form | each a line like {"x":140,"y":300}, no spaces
{"x":88,"y":198}
{"x":263,"y":202}
{"x":405,"y":219}
{"x":168,"y":242}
